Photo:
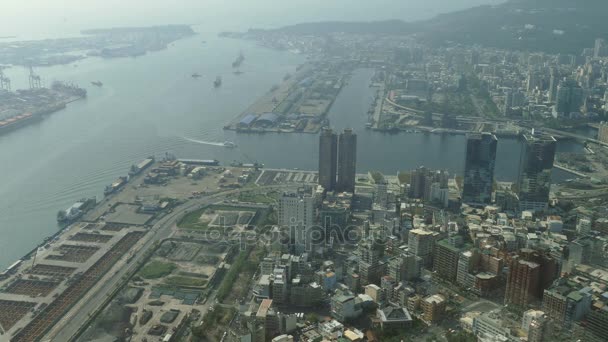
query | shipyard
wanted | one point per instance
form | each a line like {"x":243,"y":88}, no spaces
{"x":22,"y":107}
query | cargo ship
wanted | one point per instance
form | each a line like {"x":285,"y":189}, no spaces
{"x":137,"y":169}
{"x":76,"y":211}
{"x":7,"y":125}
{"x":203,"y":162}
{"x":117,"y":184}
{"x":255,"y":165}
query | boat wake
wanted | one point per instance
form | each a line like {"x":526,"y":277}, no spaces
{"x":228,"y":144}
{"x":210,"y":143}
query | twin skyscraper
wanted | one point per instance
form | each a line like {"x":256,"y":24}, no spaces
{"x":337,"y":160}
{"x":534,"y":176}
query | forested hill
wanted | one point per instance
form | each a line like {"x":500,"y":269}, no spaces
{"x":552,"y":26}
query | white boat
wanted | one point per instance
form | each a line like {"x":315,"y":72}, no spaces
{"x":229,"y":144}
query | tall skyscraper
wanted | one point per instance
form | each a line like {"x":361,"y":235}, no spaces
{"x":553,"y":80}
{"x":417,"y":182}
{"x":535,"y":165}
{"x":347,"y":161}
{"x":599,"y":48}
{"x":569,"y":98}
{"x":479,"y":168}
{"x":328,"y":159}
{"x":533,"y":81}
{"x":297,"y":212}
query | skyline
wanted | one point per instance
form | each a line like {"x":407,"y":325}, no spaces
{"x":439,"y":181}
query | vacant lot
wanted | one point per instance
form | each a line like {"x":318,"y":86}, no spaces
{"x":205,"y":218}
{"x":156,"y":269}
{"x":185,"y":281}
{"x":256,"y":197}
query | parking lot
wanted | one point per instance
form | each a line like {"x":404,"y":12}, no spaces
{"x":277,"y":177}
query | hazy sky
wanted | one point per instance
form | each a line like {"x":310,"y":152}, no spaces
{"x":56,"y":17}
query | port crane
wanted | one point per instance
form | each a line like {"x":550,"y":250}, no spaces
{"x":35,"y":81}
{"x":5,"y":82}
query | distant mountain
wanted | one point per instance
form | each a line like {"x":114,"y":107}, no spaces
{"x":378,"y":27}
{"x":553,"y":26}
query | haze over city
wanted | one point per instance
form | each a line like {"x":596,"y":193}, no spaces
{"x":39,"y":18}
{"x":248,"y":171}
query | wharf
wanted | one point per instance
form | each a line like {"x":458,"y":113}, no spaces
{"x":299,"y":105}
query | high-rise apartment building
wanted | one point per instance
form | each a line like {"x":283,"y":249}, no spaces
{"x":569,"y":98}
{"x":328,"y":159}
{"x":347,"y":161}
{"x":445,"y":261}
{"x":553,"y":81}
{"x":479,"y":168}
{"x":599,"y":49}
{"x":530,"y":272}
{"x":430,"y":186}
{"x":535,"y":166}
{"x":404,"y":267}
{"x":297,"y":212}
{"x":421,"y":243}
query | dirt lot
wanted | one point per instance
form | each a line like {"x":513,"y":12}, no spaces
{"x":127,"y":214}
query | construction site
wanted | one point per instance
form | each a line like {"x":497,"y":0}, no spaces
{"x":168,"y":291}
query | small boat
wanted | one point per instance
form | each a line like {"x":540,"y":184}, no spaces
{"x":218,"y":82}
{"x":229,"y":144}
{"x":239,"y":60}
{"x":196,"y":75}
{"x":97,"y":83}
